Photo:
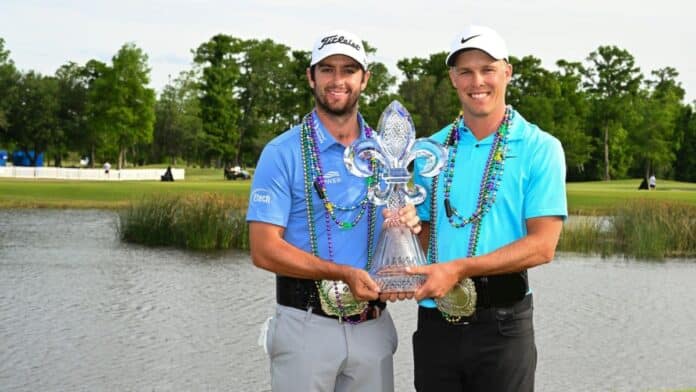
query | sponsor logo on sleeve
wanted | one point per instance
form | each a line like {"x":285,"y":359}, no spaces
{"x":261,"y":195}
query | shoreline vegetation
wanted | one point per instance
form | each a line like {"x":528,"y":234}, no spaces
{"x":207,"y":212}
{"x":207,"y":221}
{"x":643,"y":229}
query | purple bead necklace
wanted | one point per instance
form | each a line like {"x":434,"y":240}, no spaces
{"x":314,"y":178}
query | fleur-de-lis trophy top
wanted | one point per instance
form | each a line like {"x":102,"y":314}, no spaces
{"x":393,"y":148}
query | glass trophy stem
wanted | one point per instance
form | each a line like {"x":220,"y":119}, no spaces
{"x":395,"y":201}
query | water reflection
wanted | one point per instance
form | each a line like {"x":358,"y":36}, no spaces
{"x":79,"y":310}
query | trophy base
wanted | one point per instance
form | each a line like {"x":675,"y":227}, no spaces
{"x":398,"y":284}
{"x":397,"y":248}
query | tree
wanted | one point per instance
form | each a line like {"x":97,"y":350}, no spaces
{"x":125,"y":111}
{"x":570,"y":114}
{"x":685,"y":162}
{"x":72,"y":115}
{"x":33,"y":123}
{"x":428,"y":93}
{"x":553,"y":101}
{"x":653,"y":142}
{"x":219,"y":108}
{"x":96,"y":108}
{"x":177,"y":126}
{"x":264,"y":73}
{"x":8,"y":81}
{"x":613,"y":81}
{"x":377,"y":95}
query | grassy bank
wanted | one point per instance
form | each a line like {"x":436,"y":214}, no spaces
{"x":603,"y":197}
{"x":23,"y":193}
{"x":200,"y":222}
{"x":647,"y":229}
{"x":640,"y":235}
{"x":584,"y":198}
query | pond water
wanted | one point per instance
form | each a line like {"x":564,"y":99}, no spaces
{"x":80,"y":310}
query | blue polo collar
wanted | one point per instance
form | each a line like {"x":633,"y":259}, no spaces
{"x":326,"y":139}
{"x":514,"y":133}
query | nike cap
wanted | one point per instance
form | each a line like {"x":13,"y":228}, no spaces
{"x":478,"y":37}
{"x":339,"y":42}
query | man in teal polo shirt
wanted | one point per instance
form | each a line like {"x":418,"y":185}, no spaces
{"x":311,"y":224}
{"x":495,"y":210}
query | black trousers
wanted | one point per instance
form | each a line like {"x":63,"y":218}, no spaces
{"x":492,"y":350}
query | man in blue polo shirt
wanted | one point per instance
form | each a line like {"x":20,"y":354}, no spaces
{"x":495,"y":210}
{"x":311,"y":224}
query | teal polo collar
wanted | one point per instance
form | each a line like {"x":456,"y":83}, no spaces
{"x":516,"y":132}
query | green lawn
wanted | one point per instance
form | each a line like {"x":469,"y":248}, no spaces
{"x":599,"y":197}
{"x":17,"y":193}
{"x":583,"y":197}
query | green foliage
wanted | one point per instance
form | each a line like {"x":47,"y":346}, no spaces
{"x":552,"y":100}
{"x":645,"y":229}
{"x":178,"y":128}
{"x":428,"y":94}
{"x":71,"y":116}
{"x":612,"y":82}
{"x":219,"y":108}
{"x":32,"y":118}
{"x":685,"y":165}
{"x":376,"y":96}
{"x":202,"y":222}
{"x":120,"y":106}
{"x":613,"y":122}
{"x":265,"y":80}
{"x":8,"y":83}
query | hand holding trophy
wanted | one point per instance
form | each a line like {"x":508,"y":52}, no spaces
{"x":393,"y":149}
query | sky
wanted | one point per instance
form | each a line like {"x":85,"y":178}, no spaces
{"x":43,"y":35}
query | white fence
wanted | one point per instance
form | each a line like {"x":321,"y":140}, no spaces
{"x":87,"y":174}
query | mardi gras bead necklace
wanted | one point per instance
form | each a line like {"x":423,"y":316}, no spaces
{"x":319,"y":182}
{"x":314,"y":178}
{"x":490,"y":182}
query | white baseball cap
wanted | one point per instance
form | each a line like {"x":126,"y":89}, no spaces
{"x":478,"y":37}
{"x":339,"y":42}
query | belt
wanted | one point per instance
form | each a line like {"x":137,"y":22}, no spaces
{"x":302,"y":294}
{"x":500,"y":290}
{"x":481,"y":315}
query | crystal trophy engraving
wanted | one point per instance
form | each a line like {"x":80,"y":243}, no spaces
{"x":390,"y":152}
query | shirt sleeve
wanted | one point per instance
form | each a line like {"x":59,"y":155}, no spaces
{"x":270,"y":197}
{"x":546,"y":193}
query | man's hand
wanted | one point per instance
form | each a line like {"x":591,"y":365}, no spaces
{"x":440,"y":279}
{"x":361,"y":285}
{"x":406,"y":216}
{"x":393,"y":297}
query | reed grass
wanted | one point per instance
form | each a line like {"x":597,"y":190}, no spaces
{"x":644,"y":229}
{"x":205,"y":221}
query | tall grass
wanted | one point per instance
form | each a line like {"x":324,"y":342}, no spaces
{"x":200,"y":222}
{"x":645,"y":229}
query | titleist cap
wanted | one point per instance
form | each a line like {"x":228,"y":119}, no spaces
{"x":339,"y":42}
{"x":478,"y":37}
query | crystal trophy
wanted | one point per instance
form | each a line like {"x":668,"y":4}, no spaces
{"x":390,"y":152}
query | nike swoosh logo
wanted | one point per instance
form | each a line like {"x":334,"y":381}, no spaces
{"x":472,"y":37}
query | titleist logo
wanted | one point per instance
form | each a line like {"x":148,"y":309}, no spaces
{"x":336,"y":39}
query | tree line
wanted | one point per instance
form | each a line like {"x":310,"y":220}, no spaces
{"x":614,"y":121}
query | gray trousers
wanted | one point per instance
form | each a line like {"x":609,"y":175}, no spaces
{"x":314,"y":353}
